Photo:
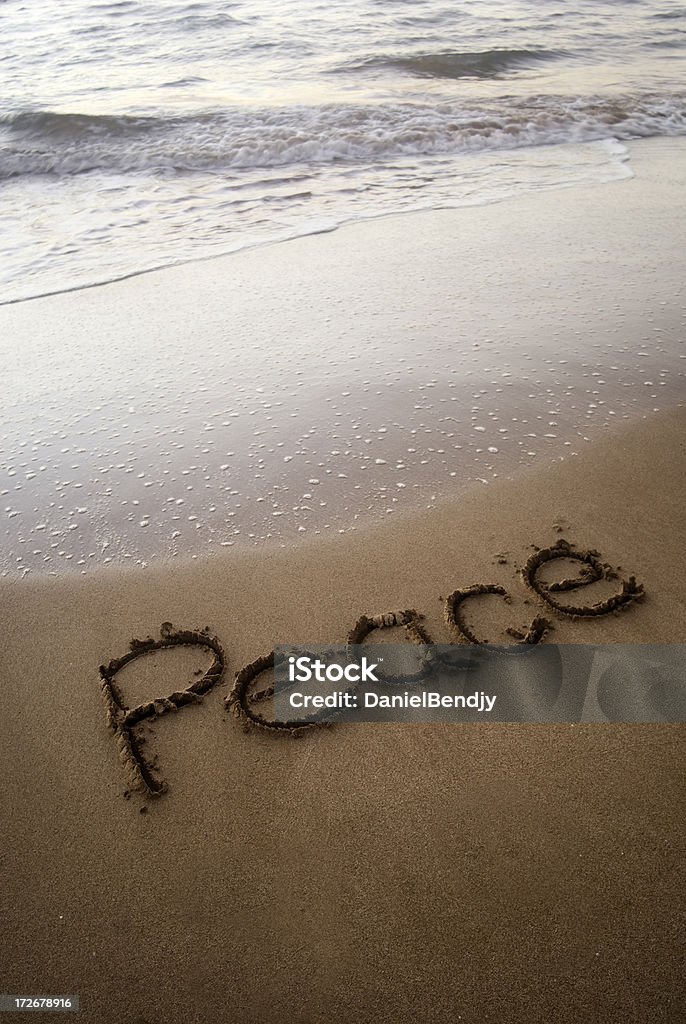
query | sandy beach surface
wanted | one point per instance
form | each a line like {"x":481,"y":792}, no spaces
{"x":504,"y":873}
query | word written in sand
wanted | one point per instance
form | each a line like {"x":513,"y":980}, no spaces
{"x":242,"y":701}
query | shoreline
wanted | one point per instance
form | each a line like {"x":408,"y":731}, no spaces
{"x":353,"y":221}
{"x":386,"y":366}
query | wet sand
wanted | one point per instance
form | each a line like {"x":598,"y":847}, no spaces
{"x":338,"y":380}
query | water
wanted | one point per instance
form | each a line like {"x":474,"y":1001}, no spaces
{"x":137,"y":135}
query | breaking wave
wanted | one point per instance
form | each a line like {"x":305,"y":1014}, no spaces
{"x":47,"y":143}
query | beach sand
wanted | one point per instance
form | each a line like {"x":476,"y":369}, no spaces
{"x":519,"y":873}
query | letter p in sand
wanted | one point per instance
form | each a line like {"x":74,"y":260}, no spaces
{"x":123,"y":719}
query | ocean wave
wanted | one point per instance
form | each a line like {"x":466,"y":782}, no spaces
{"x":483,"y":64}
{"x":48,"y":143}
{"x":669,"y":15}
